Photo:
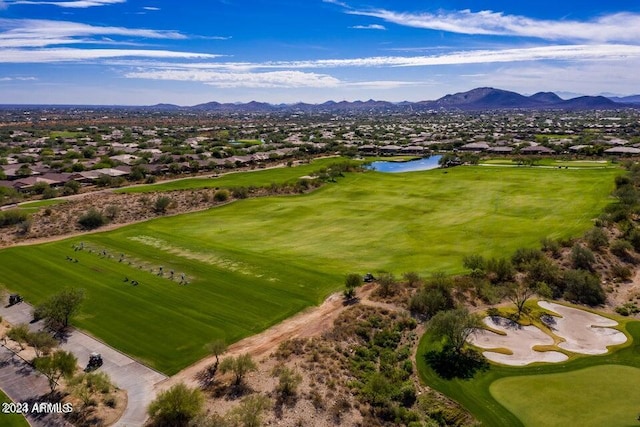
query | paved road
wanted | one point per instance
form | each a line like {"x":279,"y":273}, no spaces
{"x":137,"y":379}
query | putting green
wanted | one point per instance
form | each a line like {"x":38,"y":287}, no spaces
{"x":605,"y":395}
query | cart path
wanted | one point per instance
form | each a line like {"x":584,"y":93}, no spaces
{"x":137,"y":379}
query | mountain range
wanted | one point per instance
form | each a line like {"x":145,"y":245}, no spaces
{"x":478,"y":99}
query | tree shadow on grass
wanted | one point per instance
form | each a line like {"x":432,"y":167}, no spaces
{"x":450,"y":364}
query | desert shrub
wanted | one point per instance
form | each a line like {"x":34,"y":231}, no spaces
{"x":582,"y":258}
{"x":628,"y":309}
{"x":621,"y":249}
{"x":93,"y":218}
{"x":596,"y":238}
{"x":49,"y":193}
{"x":550,"y":245}
{"x":412,"y":279}
{"x":434,"y":296}
{"x":583,"y":287}
{"x":161,"y":204}
{"x":387,"y":284}
{"x":542,"y":270}
{"x":524,"y":256}
{"x":621,"y":272}
{"x":474,"y":262}
{"x":176,"y":406}
{"x":240,"y":192}
{"x":221,"y":196}
{"x":634,"y":238}
{"x":12,"y":217}
{"x":499,"y":270}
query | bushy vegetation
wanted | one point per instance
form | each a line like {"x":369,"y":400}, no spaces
{"x":12,"y":217}
{"x":93,"y":218}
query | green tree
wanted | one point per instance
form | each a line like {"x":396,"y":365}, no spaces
{"x":61,"y":307}
{"x":387,"y":284}
{"x":240,"y":366}
{"x":42,"y":342}
{"x":434,"y":296}
{"x":216,"y":347}
{"x":351,"y":282}
{"x":60,"y":364}
{"x":584,"y":287}
{"x":19,"y":333}
{"x":71,"y":187}
{"x":520,"y":293}
{"x":454,"y":326}
{"x":176,"y":407}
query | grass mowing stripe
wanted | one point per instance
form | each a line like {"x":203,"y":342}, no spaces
{"x":255,"y":262}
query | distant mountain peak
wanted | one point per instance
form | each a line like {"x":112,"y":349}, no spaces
{"x":482,"y":98}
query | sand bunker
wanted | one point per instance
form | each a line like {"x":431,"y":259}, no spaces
{"x":519,"y":339}
{"x":584,"y":332}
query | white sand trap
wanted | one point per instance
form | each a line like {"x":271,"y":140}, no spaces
{"x":584,"y":332}
{"x":519,"y":339}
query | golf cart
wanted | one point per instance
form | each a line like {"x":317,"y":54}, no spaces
{"x":95,"y":361}
{"x":14,"y":299}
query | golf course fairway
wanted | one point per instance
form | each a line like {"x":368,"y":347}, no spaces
{"x":233,"y":271}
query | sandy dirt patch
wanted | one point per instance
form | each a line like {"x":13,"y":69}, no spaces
{"x":309,"y":323}
{"x":584,"y":332}
{"x":520,"y":340}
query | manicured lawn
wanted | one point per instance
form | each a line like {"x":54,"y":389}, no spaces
{"x":604,"y":395}
{"x":258,"y":178}
{"x":9,"y":419}
{"x":255,"y":262}
{"x":588,"y":390}
{"x":36,"y":205}
{"x":555,"y":163}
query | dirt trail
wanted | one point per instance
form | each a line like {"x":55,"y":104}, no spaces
{"x":309,"y":323}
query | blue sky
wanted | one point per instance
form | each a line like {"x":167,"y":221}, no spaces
{"x":142,"y":52}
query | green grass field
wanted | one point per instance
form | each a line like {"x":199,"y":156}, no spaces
{"x":255,"y":262}
{"x":586,"y":391}
{"x":555,"y":163}
{"x":604,"y":395}
{"x":258,"y":177}
{"x":8,"y":419}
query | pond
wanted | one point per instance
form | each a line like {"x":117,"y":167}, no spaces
{"x":408,"y":166}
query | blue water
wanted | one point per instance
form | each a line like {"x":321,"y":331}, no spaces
{"x":410,"y":166}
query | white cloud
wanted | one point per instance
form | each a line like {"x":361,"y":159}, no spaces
{"x":151,"y":8}
{"x":273,"y":79}
{"x":611,"y":52}
{"x":42,"y":29}
{"x":20,"y":79}
{"x":71,"y":55}
{"x":337,"y":2}
{"x":75,"y":4}
{"x":619,"y":27}
{"x":588,"y":78}
{"x":369,"y":27}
